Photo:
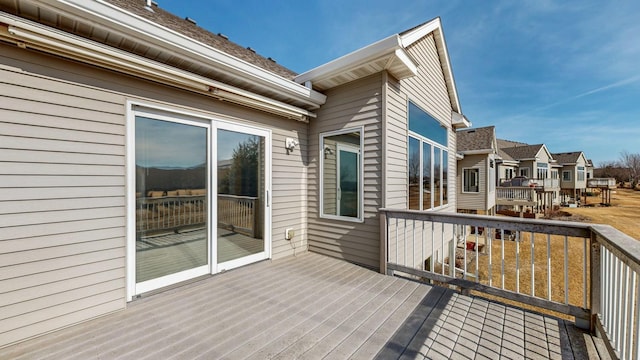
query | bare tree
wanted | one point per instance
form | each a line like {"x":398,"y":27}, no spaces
{"x":632,"y":163}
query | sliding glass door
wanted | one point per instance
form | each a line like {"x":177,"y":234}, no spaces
{"x":201,"y":198}
{"x":241,"y":195}
{"x":172,"y":189}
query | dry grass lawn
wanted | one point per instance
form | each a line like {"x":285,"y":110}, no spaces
{"x":623,"y":214}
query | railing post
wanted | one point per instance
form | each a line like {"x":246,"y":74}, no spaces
{"x":383,"y":243}
{"x":595,"y":283}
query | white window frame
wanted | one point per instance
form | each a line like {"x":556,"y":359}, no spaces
{"x":568,"y":178}
{"x":524,"y":171}
{"x":360,"y":217}
{"x":212,"y":123}
{"x":464,"y":175}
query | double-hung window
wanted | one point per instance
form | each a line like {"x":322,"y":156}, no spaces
{"x":580,"y":173}
{"x":470,"y":180}
{"x":428,"y":161}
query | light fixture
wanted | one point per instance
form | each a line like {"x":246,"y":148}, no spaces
{"x":290,"y":144}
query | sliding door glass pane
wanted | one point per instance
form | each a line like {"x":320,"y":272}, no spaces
{"x":348,"y":177}
{"x":241,"y":181}
{"x":171,"y":197}
{"x":437,"y":177}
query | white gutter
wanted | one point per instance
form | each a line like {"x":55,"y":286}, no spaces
{"x":38,"y":37}
{"x":148,"y":31}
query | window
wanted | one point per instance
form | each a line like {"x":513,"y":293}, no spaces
{"x":543,"y":170}
{"x":341,"y":178}
{"x":470,"y":180}
{"x":580,"y":173}
{"x":554,"y":174}
{"x":566,"y":175}
{"x":428,"y":161}
{"x":508,"y":173}
{"x":524,"y":172}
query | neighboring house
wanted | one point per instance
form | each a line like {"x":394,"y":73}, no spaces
{"x":140,"y":151}
{"x":477,"y":149}
{"x":533,"y":162}
{"x":573,"y":174}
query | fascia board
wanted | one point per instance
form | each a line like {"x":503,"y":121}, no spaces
{"x":165,"y":37}
{"x":355,"y":58}
{"x":414,"y":35}
{"x":55,"y":41}
{"x":402,"y":55}
{"x":477,"y":152}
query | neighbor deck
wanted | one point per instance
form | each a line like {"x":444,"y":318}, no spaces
{"x":312,"y":306}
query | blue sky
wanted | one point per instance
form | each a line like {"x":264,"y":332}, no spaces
{"x":563,"y":73}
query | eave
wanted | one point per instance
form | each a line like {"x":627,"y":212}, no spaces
{"x":109,"y":18}
{"x":387,"y":54}
{"x":29,"y":35}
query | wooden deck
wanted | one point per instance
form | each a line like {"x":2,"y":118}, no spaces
{"x":311,"y":307}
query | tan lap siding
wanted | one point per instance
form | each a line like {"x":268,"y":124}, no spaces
{"x":397,"y":147}
{"x":351,"y":105}
{"x":62,"y":206}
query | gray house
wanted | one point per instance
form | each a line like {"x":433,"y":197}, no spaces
{"x":574,"y":173}
{"x":476,"y":177}
{"x":140,"y":151}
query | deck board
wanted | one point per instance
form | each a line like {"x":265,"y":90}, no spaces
{"x":312,"y":307}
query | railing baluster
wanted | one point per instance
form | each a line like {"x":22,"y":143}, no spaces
{"x":548,"y":266}
{"x":397,"y":240}
{"x":566,"y":269}
{"x":518,"y":262}
{"x":433,"y":246}
{"x":502,"y":257}
{"x":413,"y":243}
{"x":490,"y":243}
{"x":533,"y":266}
{"x":615,"y":307}
{"x":636,"y":323}
{"x":477,"y":261}
{"x":585,"y":256}
{"x":624,"y":330}
{"x":423,"y":258}
{"x":404,"y":242}
{"x":442,"y":249}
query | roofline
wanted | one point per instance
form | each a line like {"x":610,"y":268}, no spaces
{"x":477,"y":152}
{"x":386,"y":46}
{"x":28,"y":34}
{"x":373,"y":51}
{"x":129,"y":23}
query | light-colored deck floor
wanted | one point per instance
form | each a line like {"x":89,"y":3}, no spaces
{"x":310,"y":307}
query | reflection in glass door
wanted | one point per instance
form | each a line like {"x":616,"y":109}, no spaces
{"x":241,"y":197}
{"x":171,"y":213}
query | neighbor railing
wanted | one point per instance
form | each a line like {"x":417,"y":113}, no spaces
{"x":601,"y":182}
{"x":583,"y":270}
{"x":522,"y":194}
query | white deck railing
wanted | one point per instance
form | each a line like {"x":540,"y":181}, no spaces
{"x":601,"y":182}
{"x":516,"y":194}
{"x":583,"y":270}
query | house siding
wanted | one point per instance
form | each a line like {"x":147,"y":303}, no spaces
{"x":62,"y":186}
{"x":473,"y":201}
{"x":429,"y":91}
{"x":358,"y":103}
